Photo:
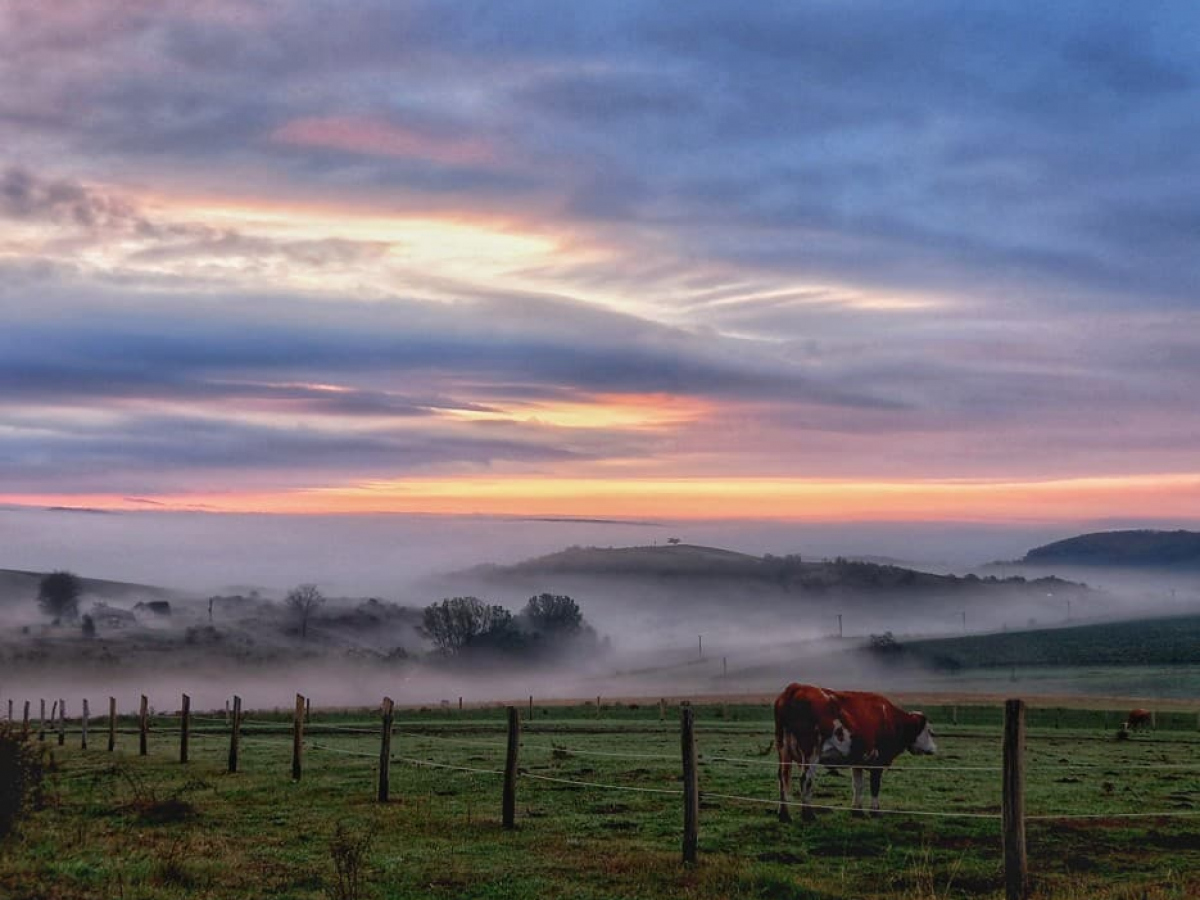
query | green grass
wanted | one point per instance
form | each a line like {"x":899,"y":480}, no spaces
{"x":1164,"y":641}
{"x":122,"y":826}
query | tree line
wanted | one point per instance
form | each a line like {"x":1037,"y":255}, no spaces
{"x":456,"y":626}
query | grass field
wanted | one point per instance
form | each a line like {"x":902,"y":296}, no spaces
{"x":1167,"y":641}
{"x":122,"y":826}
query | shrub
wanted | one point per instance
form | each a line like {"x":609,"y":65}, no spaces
{"x":349,"y":852}
{"x":23,"y":767}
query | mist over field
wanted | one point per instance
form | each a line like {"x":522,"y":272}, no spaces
{"x":386,"y":555}
{"x":656,"y":634}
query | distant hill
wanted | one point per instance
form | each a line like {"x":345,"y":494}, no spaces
{"x":1165,"y":641}
{"x":1179,"y":549}
{"x":17,"y":586}
{"x":713,"y":566}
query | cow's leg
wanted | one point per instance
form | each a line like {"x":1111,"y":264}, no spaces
{"x":876,"y":781}
{"x":785,"y":778}
{"x":806,"y":785}
{"x":856,"y":775}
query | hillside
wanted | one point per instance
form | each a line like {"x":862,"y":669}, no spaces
{"x":17,"y":586}
{"x":1165,"y":641}
{"x":1122,"y":548}
{"x":715,"y":567}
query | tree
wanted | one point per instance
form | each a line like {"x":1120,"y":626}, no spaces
{"x":58,"y":595}
{"x":459,"y":622}
{"x":553,"y":614}
{"x":303,"y":602}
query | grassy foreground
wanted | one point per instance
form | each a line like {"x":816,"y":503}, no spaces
{"x":122,"y":826}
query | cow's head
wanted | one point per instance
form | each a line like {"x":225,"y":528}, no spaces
{"x":837,"y":745}
{"x":921,"y":741}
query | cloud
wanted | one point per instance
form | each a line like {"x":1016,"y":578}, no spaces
{"x":859,"y":232}
{"x":376,"y":137}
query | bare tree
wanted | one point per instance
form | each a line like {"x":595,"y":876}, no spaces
{"x":303,"y":602}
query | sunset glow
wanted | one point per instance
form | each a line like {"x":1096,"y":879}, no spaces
{"x":393,"y":267}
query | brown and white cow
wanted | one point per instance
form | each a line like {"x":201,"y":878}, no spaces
{"x":808,"y":728}
{"x":1138,"y":718}
{"x":881,"y":732}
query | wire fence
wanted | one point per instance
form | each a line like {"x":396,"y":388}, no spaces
{"x":278,"y":734}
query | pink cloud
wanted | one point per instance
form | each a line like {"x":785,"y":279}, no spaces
{"x":376,"y":137}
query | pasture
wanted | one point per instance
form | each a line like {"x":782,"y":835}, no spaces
{"x":598,"y":811}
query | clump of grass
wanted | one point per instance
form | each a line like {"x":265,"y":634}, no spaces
{"x":349,"y":851}
{"x":152,"y":809}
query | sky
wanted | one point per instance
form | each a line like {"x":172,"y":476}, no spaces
{"x":825,"y":261}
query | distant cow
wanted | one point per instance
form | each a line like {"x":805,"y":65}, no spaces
{"x":1138,"y":718}
{"x":881,"y":732}
{"x":807,"y":729}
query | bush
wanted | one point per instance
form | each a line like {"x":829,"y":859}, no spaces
{"x":23,"y":767}
{"x":58,"y":595}
{"x":349,"y":852}
{"x":885,"y":643}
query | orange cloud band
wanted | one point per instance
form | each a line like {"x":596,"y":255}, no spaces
{"x":1143,"y":496}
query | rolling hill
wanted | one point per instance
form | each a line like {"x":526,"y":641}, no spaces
{"x":715,"y":568}
{"x":17,"y":586}
{"x":1143,"y":548}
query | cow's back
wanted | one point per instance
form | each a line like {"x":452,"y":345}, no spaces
{"x":804,"y":709}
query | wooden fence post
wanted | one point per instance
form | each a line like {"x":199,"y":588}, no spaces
{"x":235,"y":733}
{"x":510,"y":768}
{"x":112,"y":724}
{"x":10,"y":709}
{"x":62,"y":722}
{"x":143,"y":726}
{"x":42,"y":720}
{"x":1016,"y":865}
{"x":691,"y":792}
{"x":385,"y":750}
{"x":83,"y":726}
{"x":460,"y":704}
{"x":25,"y":721}
{"x":298,"y":737}
{"x":531,"y":707}
{"x":185,"y":722}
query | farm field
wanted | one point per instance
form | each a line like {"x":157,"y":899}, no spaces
{"x":599,"y":813}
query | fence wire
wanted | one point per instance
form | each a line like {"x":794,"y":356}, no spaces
{"x":273,"y":734}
